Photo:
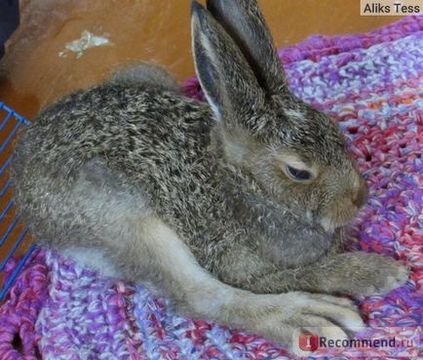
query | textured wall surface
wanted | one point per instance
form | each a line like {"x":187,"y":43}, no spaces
{"x":35,"y":74}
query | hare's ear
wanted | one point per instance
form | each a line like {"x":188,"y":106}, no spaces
{"x":229,"y":83}
{"x":244,"y":22}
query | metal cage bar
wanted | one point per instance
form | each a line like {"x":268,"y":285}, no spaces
{"x":10,"y":118}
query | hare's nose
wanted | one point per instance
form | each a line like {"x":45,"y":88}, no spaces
{"x":361,"y":196}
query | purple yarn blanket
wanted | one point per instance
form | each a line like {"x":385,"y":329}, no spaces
{"x":373,"y":85}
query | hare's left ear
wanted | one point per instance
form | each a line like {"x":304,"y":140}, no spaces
{"x":226,"y":78}
{"x":244,"y":22}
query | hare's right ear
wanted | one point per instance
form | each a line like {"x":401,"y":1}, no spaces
{"x":228,"y":82}
{"x":244,"y":22}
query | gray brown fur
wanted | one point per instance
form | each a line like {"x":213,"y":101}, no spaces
{"x":102,"y":165}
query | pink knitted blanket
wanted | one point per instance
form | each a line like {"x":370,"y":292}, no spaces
{"x":373,"y":85}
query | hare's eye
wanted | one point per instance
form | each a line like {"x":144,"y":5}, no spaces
{"x":297,"y":174}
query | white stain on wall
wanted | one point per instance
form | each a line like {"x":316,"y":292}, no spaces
{"x":86,"y":41}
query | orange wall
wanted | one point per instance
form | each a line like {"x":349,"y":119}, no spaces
{"x":155,"y":30}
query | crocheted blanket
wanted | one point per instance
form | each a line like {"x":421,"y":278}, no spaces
{"x":373,"y":85}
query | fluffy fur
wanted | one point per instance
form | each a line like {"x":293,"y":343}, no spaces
{"x":198,"y":198}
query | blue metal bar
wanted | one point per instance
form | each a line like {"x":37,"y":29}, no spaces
{"x":13,"y":249}
{"x":6,"y":187}
{"x":9,"y":137}
{"x":6,"y":209}
{"x":9,"y":230}
{"x":15,"y":273}
{"x":20,"y":118}
{"x":6,"y":164}
{"x":5,"y":120}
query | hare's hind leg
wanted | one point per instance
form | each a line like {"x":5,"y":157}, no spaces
{"x":196,"y":293}
{"x":101,"y":210}
{"x":146,"y":76}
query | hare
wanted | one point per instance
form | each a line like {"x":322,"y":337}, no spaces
{"x":234,"y":208}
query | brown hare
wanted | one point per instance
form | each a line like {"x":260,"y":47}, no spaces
{"x":233,"y":208}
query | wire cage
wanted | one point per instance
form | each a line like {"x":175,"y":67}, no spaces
{"x":15,"y":241}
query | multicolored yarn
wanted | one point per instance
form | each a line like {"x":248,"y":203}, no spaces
{"x":373,"y":85}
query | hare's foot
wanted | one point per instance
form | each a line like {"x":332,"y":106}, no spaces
{"x":375,"y":274}
{"x":318,"y":314}
{"x":356,"y":273}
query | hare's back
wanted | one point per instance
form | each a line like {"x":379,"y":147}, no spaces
{"x":133,"y":135}
{"x":114,"y":122}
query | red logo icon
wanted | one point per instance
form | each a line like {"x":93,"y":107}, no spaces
{"x":308,"y":342}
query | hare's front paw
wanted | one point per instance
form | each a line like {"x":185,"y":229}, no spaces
{"x":374,"y":274}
